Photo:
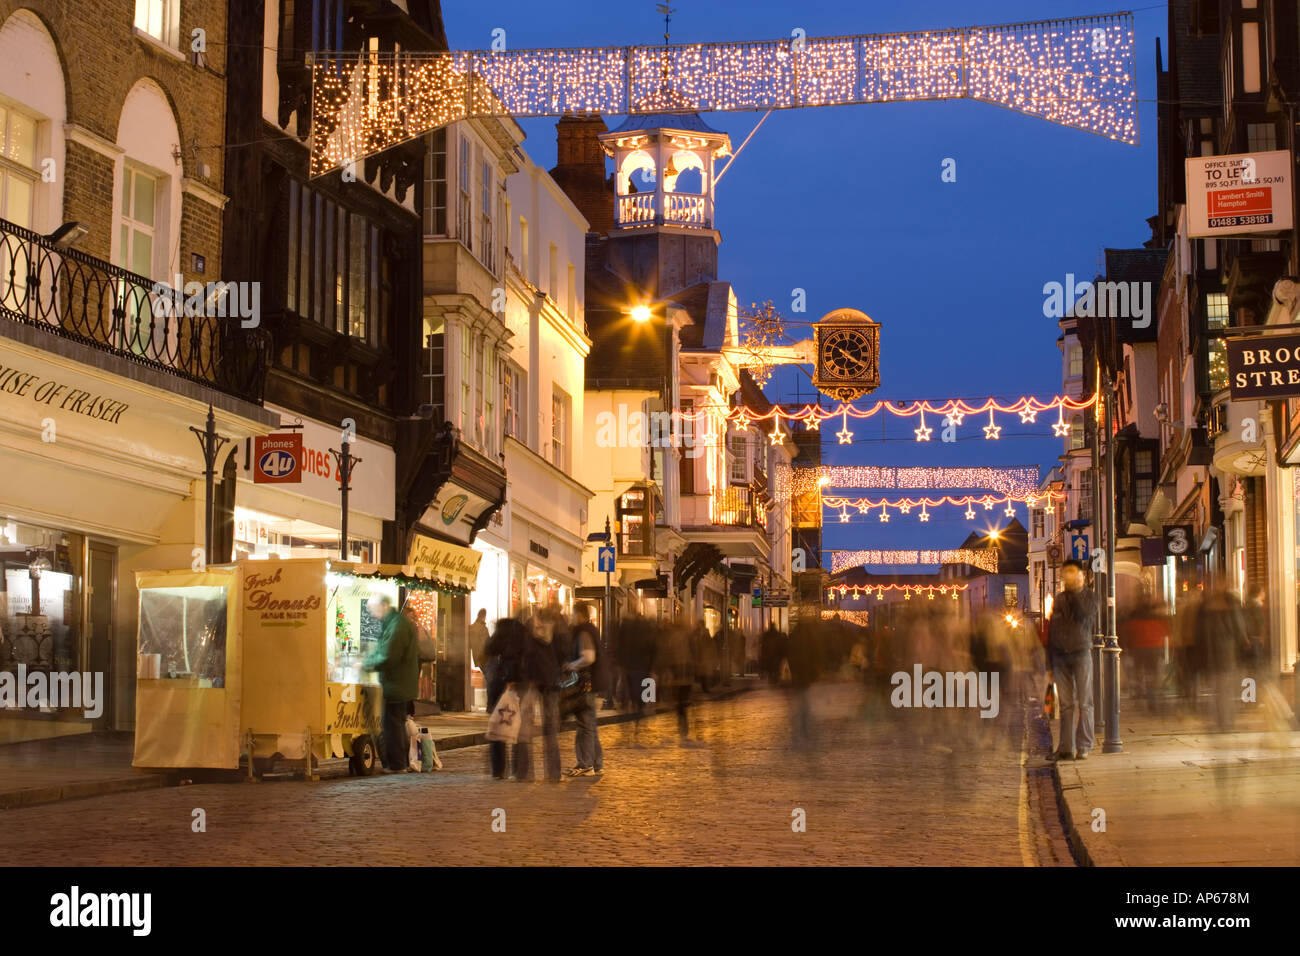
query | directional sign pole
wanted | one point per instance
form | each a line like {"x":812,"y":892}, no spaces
{"x":345,"y":462}
{"x":211,"y":443}
{"x":608,"y":623}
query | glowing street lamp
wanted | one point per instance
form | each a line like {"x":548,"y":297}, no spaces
{"x":641,"y":313}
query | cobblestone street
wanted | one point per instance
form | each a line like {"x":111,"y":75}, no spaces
{"x":870,"y":797}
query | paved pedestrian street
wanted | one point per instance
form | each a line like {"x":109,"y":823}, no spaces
{"x":870,"y":793}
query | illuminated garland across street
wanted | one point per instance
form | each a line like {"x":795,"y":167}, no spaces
{"x":1009,"y":481}
{"x":986,"y":560}
{"x":1078,"y":73}
{"x":859,"y":618}
{"x":908,"y":589}
{"x":905,"y":505}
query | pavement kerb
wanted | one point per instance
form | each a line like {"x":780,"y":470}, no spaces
{"x":1094,"y":849}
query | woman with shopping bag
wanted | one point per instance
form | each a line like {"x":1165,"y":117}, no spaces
{"x":504,"y":658}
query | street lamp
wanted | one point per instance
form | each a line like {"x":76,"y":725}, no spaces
{"x":640,"y":313}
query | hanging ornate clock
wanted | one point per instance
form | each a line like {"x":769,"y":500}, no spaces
{"x":847,"y":345}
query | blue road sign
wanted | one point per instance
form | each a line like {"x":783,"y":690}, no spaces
{"x":1079,"y":547}
{"x":605,"y":559}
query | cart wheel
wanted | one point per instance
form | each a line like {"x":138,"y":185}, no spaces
{"x":364,"y":757}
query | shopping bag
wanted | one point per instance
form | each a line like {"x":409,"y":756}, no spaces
{"x":413,"y":744}
{"x":1051,"y":703}
{"x":426,"y":646}
{"x":504,"y":723}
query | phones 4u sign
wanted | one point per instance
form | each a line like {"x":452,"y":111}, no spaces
{"x":1263,"y":366}
{"x":277,"y":459}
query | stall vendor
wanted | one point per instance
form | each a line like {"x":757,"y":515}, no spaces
{"x":396,"y":658}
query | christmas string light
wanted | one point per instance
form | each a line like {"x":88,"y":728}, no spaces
{"x":992,"y":429}
{"x":923,"y":433}
{"x":954,"y":411}
{"x":984,"y":559}
{"x":847,"y":614}
{"x":864,"y":590}
{"x":844,"y":435}
{"x":904,"y":505}
{"x":1008,"y":480}
{"x":1077,"y":73}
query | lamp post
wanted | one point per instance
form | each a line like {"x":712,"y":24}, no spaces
{"x":344,"y":461}
{"x":1111,"y":651}
{"x":211,"y":443}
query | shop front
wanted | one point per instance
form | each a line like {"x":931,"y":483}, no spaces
{"x":101,"y":475}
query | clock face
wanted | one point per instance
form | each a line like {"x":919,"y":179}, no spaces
{"x":846,"y":354}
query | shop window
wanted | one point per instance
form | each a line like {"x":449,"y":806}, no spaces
{"x":40,"y":591}
{"x":560,"y":407}
{"x":183,"y":634}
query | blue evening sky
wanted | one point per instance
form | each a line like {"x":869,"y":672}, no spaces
{"x":847,"y":203}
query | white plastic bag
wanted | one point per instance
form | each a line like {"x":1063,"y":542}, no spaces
{"x":505,"y":720}
{"x":413,"y":743}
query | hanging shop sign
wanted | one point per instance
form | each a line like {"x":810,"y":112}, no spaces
{"x":1178,"y":540}
{"x":1264,"y":366}
{"x":277,"y":459}
{"x":1239,"y":194}
{"x":444,"y":561}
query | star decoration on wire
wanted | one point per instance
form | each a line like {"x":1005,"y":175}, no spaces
{"x":954,"y":417}
{"x":1028,"y":415}
{"x":1060,"y":429}
{"x":925,"y":515}
{"x":992,"y":430}
{"x":970,"y":513}
{"x":844,"y":435}
{"x":922,"y":433}
{"x":778,"y":436}
{"x":1011,"y":510}
{"x":1050,"y":509}
{"x":905,"y":508}
{"x":844,"y":516}
{"x":863,"y":509}
{"x":988,"y":504}
{"x":742,"y":421}
{"x":813,"y":422}
{"x":884,"y":514}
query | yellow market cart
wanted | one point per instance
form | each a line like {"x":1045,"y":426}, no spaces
{"x":261,"y":661}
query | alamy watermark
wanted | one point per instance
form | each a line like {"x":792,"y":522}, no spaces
{"x":1133,"y":301}
{"x":57,"y":690}
{"x":923,"y":688}
{"x":220,"y":300}
{"x":638,"y":429}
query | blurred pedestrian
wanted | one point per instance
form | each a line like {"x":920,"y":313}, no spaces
{"x":396,"y":659}
{"x":541,"y":673}
{"x":503,"y":670}
{"x":1219,"y":636}
{"x":585,"y":656}
{"x":676,"y":674}
{"x":636,"y":645}
{"x":1069,"y":646}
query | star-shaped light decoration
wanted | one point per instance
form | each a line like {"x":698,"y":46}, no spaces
{"x":992,"y":430}
{"x":907,"y":595}
{"x":1011,"y":509}
{"x":742,"y":421}
{"x":954,"y":417}
{"x":925,"y":515}
{"x":930,"y":594}
{"x":880,"y":594}
{"x":844,"y":435}
{"x":970,"y":513}
{"x":954,"y":594}
{"x":862,"y":507}
{"x":1028,"y":415}
{"x":988,"y":504}
{"x":778,"y":436}
{"x":1050,"y":509}
{"x":813,"y":422}
{"x":905,"y":507}
{"x":922,"y":433}
{"x":884,"y":513}
{"x":1060,"y":429}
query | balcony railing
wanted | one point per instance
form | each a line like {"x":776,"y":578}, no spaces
{"x":737,"y":506}
{"x":104,"y":306}
{"x":680,"y":209}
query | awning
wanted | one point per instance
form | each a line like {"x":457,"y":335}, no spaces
{"x":413,"y":579}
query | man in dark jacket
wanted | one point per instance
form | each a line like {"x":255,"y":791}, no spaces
{"x":1069,"y":661}
{"x":397,"y":660}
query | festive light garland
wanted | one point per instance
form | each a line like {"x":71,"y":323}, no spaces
{"x":1020,"y":480}
{"x":880,"y":589}
{"x":984,"y":559}
{"x":905,"y":505}
{"x":860,"y":618}
{"x":1077,"y":73}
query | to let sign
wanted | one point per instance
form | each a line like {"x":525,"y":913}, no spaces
{"x":1239,"y":194}
{"x":1264,"y":367}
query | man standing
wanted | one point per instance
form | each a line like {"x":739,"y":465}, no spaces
{"x":586,"y":645}
{"x":1069,"y":661}
{"x":396,"y":659}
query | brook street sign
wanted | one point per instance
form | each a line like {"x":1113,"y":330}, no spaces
{"x":1264,"y":366}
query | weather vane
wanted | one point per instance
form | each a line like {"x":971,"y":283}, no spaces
{"x":667,"y":12}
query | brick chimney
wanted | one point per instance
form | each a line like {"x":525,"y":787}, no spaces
{"x":580,"y":169}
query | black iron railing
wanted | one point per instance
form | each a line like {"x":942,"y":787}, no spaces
{"x":102,"y":305}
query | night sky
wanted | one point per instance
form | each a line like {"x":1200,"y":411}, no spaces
{"x":847,"y":203}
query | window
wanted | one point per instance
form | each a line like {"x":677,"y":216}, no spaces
{"x":463,"y":203}
{"x":1216,"y":310}
{"x":435,"y":188}
{"x":560,"y":405}
{"x":1216,"y":317}
{"x":633,"y":509}
{"x":687,"y":442}
{"x":334,"y":267}
{"x":1011,"y":594}
{"x":466,"y":381}
{"x":738,"y":459}
{"x":159,"y":19}
{"x":139,"y":216}
{"x":490,"y":399}
{"x":1261,"y":137}
{"x":17,"y":166}
{"x":486,"y":252}
{"x":1038,"y":522}
{"x":1085,"y":494}
{"x":514,"y":410}
{"x":1076,"y":433}
{"x":1075,"y":354}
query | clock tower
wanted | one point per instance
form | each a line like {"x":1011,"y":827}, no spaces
{"x":846,"y":354}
